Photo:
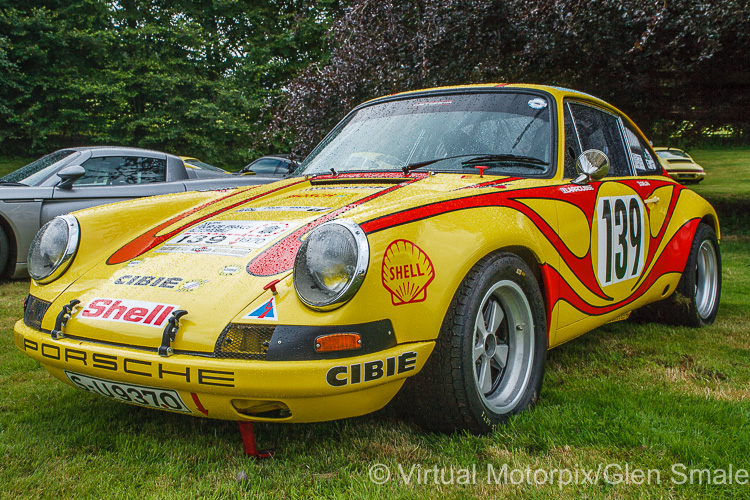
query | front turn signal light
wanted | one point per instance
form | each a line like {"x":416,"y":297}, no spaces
{"x":338,"y":342}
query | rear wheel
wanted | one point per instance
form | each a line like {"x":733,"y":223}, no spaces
{"x":488,"y":362}
{"x":695,"y":301}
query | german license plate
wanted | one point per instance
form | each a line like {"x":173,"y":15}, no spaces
{"x":128,"y":393}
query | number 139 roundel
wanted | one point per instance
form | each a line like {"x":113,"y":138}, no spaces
{"x":426,"y":255}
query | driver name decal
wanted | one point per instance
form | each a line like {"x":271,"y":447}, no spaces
{"x":407,"y":272}
{"x":621,"y":238}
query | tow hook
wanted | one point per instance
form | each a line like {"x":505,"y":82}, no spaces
{"x":62,"y":319}
{"x":170,"y":331}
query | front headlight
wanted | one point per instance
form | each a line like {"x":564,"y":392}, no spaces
{"x":53,"y":249}
{"x":331,"y":264}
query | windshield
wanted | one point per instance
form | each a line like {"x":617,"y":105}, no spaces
{"x":509,"y":129}
{"x":192,"y":162}
{"x":35,"y":172}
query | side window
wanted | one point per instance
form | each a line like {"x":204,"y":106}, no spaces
{"x":642,"y":160}
{"x":572,"y":148}
{"x":599,"y":130}
{"x":283,"y":167}
{"x":264,"y":166}
{"x":122,"y":171}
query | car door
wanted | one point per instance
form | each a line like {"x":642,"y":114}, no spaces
{"x":611,"y":274}
{"x":110,"y":178}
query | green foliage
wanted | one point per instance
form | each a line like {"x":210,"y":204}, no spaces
{"x":188,"y":77}
{"x":663,"y":63}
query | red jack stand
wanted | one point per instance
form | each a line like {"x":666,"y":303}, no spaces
{"x":248,"y":440}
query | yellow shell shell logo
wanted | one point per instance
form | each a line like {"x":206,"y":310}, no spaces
{"x":406,"y":273}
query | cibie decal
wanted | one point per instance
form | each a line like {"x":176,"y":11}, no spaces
{"x":339,"y":376}
{"x":266,"y":311}
{"x":621,"y":238}
{"x":153,"y":281}
{"x":136,"y":312}
{"x":407,"y":272}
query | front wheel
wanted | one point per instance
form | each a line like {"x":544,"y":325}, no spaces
{"x":488,"y":362}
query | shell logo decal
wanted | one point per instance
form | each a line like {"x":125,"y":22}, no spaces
{"x":406,"y":273}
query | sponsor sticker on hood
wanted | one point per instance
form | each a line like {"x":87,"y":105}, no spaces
{"x":234,"y":238}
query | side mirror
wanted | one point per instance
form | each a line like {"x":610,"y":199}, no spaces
{"x":69,"y":175}
{"x":592,"y":165}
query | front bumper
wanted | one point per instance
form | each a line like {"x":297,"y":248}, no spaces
{"x":231,"y":389}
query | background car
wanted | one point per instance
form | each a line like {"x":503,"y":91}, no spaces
{"x":191,"y":162}
{"x":680,"y":166}
{"x":271,"y":166}
{"x":75,"y":178}
{"x":463,"y":232}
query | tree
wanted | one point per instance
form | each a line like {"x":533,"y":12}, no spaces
{"x":190,"y":77}
{"x":664,"y":63}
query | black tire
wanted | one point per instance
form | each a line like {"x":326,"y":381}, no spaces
{"x":695,"y":301}
{"x":446,"y":395}
{"x":4,"y":253}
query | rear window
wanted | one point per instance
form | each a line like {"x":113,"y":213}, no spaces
{"x":673,"y":153}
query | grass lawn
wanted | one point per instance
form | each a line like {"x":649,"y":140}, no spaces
{"x":651,"y":398}
{"x":727,"y":172}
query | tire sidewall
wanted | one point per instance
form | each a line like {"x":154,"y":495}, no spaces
{"x":511,"y":268}
{"x":687,"y":283}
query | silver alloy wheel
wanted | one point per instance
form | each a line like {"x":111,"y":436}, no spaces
{"x":503,"y":346}
{"x":706,"y":279}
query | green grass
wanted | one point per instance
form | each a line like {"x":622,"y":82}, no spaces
{"x":645,"y":395}
{"x":727,"y":172}
{"x":727,"y":185}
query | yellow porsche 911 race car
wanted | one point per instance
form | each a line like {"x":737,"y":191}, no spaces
{"x":429,"y":251}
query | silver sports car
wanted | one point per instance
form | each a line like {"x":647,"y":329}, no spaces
{"x":76,"y":178}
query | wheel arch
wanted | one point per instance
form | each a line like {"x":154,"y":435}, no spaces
{"x":713,"y":221}
{"x":10,"y":266}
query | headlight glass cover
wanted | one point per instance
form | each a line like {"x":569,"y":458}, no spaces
{"x":331,"y":264}
{"x":53,"y":249}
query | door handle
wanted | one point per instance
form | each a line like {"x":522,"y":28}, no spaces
{"x":655,"y":199}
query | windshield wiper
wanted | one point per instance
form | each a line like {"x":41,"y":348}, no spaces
{"x":13,"y":184}
{"x":413,"y":166}
{"x":511,"y":158}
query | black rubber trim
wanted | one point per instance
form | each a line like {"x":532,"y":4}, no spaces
{"x":297,"y":343}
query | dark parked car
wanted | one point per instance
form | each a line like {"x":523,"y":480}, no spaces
{"x":272,"y":166}
{"x":76,"y":178}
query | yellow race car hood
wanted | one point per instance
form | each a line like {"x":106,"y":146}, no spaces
{"x":216,"y":260}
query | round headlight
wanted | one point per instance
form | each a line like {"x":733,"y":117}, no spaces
{"x":53,"y":249}
{"x":331,"y":264}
